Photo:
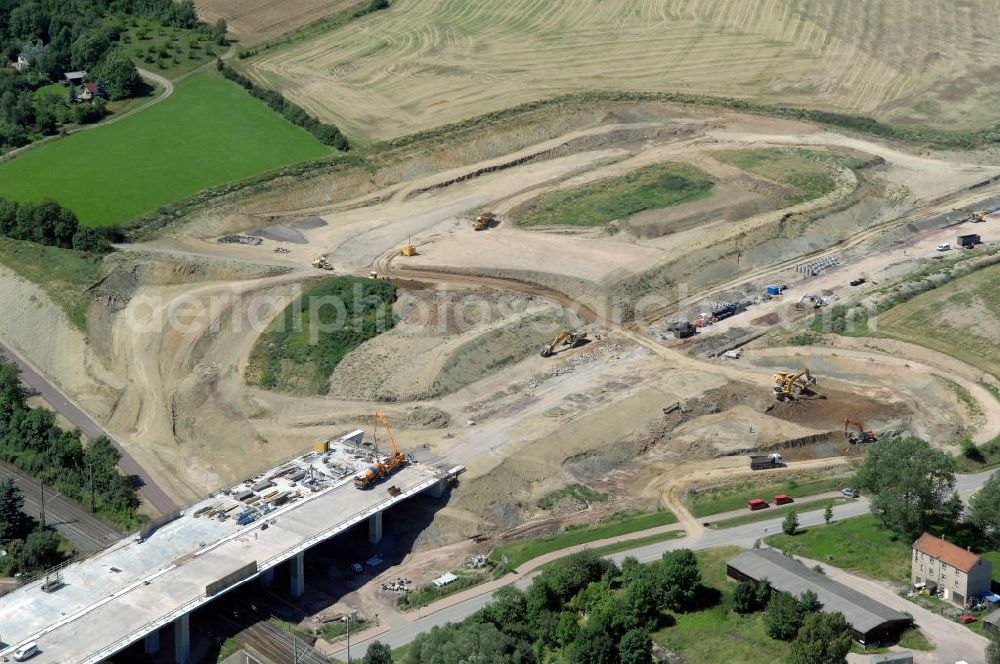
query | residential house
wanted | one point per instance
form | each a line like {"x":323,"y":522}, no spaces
{"x":87,"y":92}
{"x":953,"y":573}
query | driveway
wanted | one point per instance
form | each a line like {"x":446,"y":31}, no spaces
{"x":953,"y":642}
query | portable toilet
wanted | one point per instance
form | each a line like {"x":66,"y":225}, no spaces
{"x":773,"y":289}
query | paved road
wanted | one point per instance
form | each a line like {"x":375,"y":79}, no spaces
{"x":83,"y":529}
{"x":743,"y":536}
{"x":65,"y":407}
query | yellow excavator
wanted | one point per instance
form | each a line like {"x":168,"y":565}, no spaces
{"x":484,"y":221}
{"x":573,"y":338}
{"x":791,"y":384}
{"x":384,"y":467}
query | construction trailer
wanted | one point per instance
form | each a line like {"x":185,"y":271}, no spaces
{"x":969,"y":241}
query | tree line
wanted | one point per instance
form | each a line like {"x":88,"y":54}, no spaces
{"x":30,"y":439}
{"x":49,"y":223}
{"x":29,"y":547}
{"x":326,"y":134}
{"x":51,"y":37}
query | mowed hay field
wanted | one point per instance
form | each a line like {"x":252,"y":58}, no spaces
{"x":960,"y":318}
{"x":424,"y":63}
{"x":210,"y":131}
{"x":254,"y":21}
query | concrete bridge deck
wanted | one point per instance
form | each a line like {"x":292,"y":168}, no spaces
{"x":131,"y":589}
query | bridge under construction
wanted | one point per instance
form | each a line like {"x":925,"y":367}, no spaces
{"x":93,"y":608}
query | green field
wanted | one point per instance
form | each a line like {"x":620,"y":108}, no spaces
{"x":719,"y":635}
{"x":305,"y":342}
{"x":519,"y":553}
{"x":807,"y":171}
{"x":960,"y":318}
{"x":858,"y":545}
{"x":648,"y":188}
{"x":64,"y":274}
{"x":706,"y":502}
{"x":209,"y":132}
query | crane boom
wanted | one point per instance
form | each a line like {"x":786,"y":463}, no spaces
{"x":392,"y":441}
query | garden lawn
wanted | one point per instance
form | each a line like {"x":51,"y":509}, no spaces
{"x":208,"y":132}
{"x":860,"y":545}
{"x":718,"y":634}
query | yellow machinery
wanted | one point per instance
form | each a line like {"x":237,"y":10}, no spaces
{"x":862,"y":436}
{"x":323,"y":263}
{"x":572,"y":339}
{"x":789,"y":384}
{"x":409,"y":250}
{"x":381,"y":469}
{"x":375,"y":276}
{"x":484,"y":221}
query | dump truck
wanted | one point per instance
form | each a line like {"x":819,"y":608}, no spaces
{"x":765,"y":461}
{"x":322,"y":263}
{"x":572,"y":338}
{"x":381,"y":468}
{"x":484,"y":221}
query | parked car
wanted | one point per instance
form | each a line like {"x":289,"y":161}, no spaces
{"x":944,"y":246}
{"x":966,"y":619}
{"x":756,"y":504}
{"x":850,"y":493}
{"x":26,"y":651}
{"x":782,"y":499}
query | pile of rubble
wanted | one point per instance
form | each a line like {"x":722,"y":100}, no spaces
{"x":397,"y":585}
{"x":240,"y":239}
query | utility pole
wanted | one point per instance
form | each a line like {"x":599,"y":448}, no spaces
{"x":347,"y":619}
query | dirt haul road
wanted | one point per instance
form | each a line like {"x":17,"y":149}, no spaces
{"x":182,"y":383}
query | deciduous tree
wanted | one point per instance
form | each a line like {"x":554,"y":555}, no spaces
{"x":909,"y":482}
{"x":824,"y":638}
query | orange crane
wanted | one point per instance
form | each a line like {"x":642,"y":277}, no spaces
{"x":862,"y":436}
{"x":381,"y":468}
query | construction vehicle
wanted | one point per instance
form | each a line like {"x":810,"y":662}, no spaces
{"x":788,"y":384}
{"x":861,"y":435}
{"x":375,"y":276}
{"x":322,"y":263}
{"x":573,"y":338}
{"x":765,"y":461}
{"x":484,"y":221}
{"x":409,"y":249}
{"x":381,"y":468}
{"x":817,"y":301}
{"x":682,"y":329}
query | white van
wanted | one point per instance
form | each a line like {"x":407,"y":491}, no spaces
{"x":944,"y":246}
{"x":26,"y":651}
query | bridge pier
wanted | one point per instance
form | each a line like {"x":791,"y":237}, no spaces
{"x":438,"y":488}
{"x":182,"y":639}
{"x":152,"y":643}
{"x":298,"y":574}
{"x":375,"y":528}
{"x":267,"y":577}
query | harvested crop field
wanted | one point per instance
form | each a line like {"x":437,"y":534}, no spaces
{"x":425,"y":63}
{"x":254,"y":21}
{"x":960,"y":318}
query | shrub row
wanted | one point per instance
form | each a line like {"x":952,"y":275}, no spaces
{"x":49,"y":223}
{"x":325,"y":133}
